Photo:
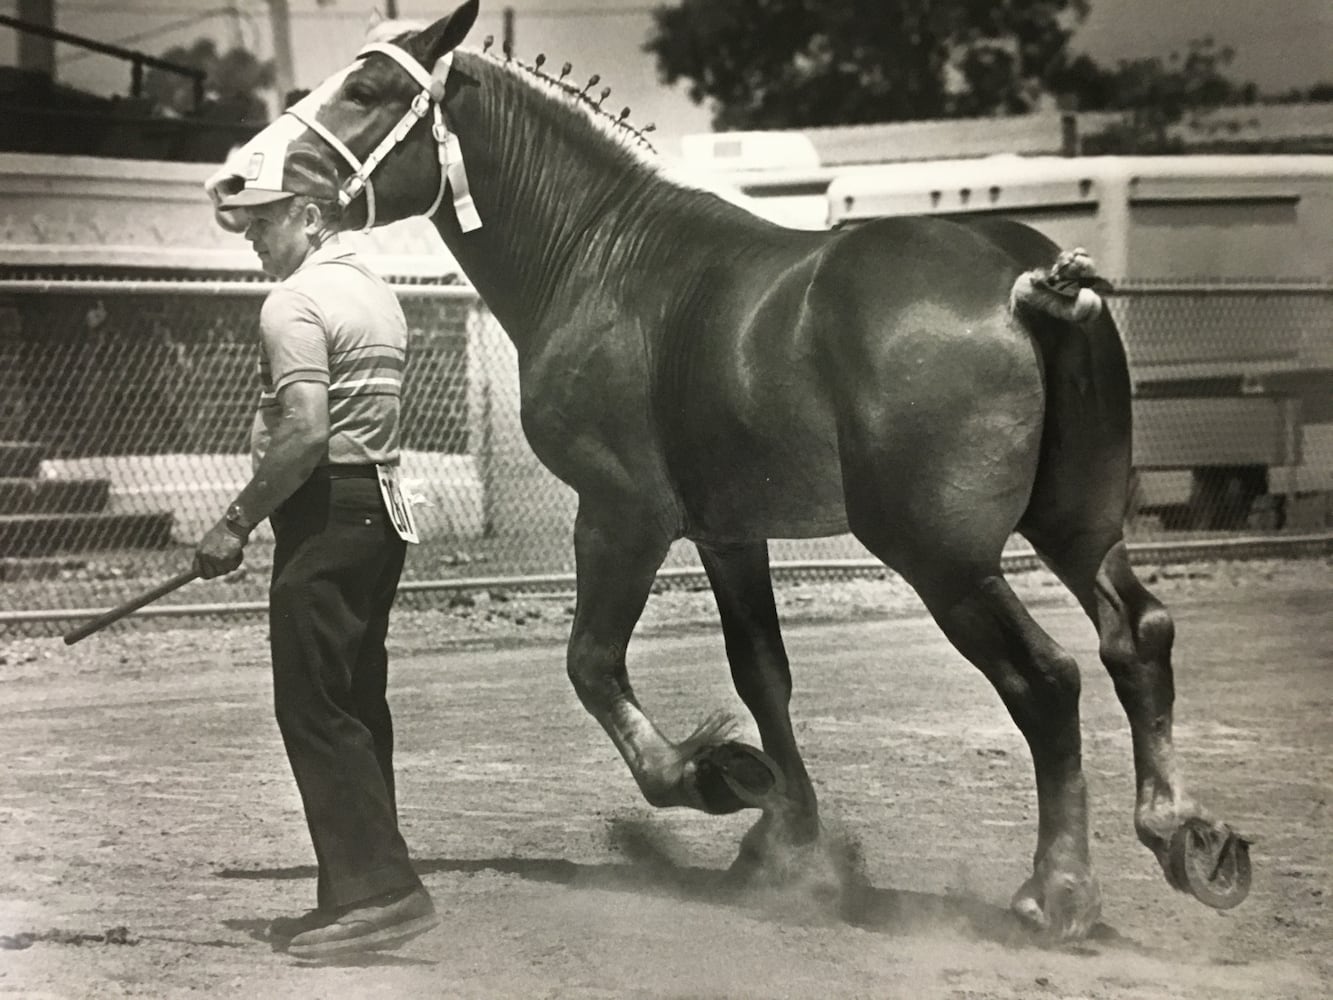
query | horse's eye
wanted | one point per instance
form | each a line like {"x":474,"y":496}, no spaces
{"x":359,"y":93}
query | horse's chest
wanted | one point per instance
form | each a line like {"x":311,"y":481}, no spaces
{"x":586,"y":413}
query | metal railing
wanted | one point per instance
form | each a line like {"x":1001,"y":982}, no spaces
{"x":137,"y":60}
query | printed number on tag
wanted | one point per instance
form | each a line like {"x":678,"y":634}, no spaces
{"x":397,"y":504}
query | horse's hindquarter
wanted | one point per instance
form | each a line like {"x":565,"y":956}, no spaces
{"x":938,"y":392}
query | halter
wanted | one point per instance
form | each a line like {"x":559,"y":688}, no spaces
{"x":429,"y":99}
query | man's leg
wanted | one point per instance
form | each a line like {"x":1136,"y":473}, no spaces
{"x":332,"y":551}
{"x":370,"y":676}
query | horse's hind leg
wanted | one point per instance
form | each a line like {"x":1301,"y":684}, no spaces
{"x":948,"y":546}
{"x":1039,"y":683}
{"x":1075,"y":521}
{"x":617,"y":553}
{"x":1136,"y":633}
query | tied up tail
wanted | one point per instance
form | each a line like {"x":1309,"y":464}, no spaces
{"x":1071,"y":289}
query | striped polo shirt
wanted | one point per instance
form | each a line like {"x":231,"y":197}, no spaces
{"x":336,"y":322}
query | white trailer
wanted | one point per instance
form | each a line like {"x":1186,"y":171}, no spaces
{"x":1224,"y":269}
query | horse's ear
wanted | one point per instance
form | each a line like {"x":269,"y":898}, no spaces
{"x":448,"y":32}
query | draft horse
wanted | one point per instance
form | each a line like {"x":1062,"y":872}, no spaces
{"x":694,"y":371}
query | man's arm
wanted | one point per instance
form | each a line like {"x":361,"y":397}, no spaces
{"x":300,"y":439}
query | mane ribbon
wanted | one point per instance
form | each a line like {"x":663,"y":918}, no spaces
{"x":430,"y":99}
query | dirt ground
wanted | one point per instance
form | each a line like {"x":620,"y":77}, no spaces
{"x":149,"y":828}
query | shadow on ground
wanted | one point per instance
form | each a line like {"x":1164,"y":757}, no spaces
{"x":653,"y":865}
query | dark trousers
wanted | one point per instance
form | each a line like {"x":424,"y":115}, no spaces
{"x":335,"y":574}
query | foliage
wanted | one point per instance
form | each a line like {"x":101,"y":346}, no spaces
{"x":233,"y":89}
{"x":1155,"y":94}
{"x":1319,"y":93}
{"x":794,"y":63}
{"x":799,"y":63}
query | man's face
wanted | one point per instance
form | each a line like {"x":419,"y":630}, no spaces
{"x":279,"y":235}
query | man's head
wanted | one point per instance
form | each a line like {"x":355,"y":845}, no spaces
{"x":289,"y":205}
{"x":285,"y":232}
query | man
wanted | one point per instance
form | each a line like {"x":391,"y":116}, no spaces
{"x":325,"y":450}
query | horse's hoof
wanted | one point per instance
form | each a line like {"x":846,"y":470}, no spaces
{"x":1210,"y":862}
{"x":1060,"y":907}
{"x":732,"y":776}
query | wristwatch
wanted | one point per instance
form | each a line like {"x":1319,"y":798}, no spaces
{"x":236,"y":522}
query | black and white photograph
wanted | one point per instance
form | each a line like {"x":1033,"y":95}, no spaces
{"x":666,"y":499}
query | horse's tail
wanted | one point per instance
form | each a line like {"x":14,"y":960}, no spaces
{"x":1070,"y":289}
{"x":1083,"y":478}
{"x":1083,"y":474}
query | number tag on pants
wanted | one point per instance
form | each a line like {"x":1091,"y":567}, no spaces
{"x":397,"y":504}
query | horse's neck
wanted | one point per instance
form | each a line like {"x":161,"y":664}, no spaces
{"x":558,"y":203}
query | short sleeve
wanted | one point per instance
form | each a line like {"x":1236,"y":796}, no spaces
{"x":294,"y":337}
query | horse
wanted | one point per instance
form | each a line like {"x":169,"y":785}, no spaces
{"x":695,"y":372}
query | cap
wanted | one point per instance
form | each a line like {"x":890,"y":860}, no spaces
{"x":282,"y":173}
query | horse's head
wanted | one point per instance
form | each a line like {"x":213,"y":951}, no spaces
{"x":382,"y":119}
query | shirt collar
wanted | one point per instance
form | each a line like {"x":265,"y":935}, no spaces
{"x":333,"y":248}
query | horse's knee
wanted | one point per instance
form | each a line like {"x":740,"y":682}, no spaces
{"x":596,"y":672}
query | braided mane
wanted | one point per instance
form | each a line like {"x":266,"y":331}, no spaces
{"x":615,"y":125}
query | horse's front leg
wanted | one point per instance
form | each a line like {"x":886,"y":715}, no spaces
{"x":743,"y":587}
{"x":617,"y":552}
{"x":787,"y":845}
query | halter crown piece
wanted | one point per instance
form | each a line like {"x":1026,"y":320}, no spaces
{"x":430,"y":99}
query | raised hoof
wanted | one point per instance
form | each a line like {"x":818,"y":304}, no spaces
{"x":1061,"y":907}
{"x":1211,"y":863}
{"x":734,"y":776}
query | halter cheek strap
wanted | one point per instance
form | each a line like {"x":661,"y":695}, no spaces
{"x":430,"y":100}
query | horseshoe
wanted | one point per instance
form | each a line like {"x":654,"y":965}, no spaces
{"x":752,"y":775}
{"x":1213,"y":863}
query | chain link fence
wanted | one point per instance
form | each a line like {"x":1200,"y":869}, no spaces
{"x":125,"y":408}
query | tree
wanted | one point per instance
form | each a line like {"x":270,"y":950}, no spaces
{"x":794,"y":63}
{"x":233,"y":88}
{"x":1154,"y":94}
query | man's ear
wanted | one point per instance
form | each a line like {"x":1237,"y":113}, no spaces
{"x":312,"y":218}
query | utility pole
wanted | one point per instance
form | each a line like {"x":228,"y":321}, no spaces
{"x":280,"y":22}
{"x":508,"y":35}
{"x":391,"y":10}
{"x":36,"y":53}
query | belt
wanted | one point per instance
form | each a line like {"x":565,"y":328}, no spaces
{"x":337,"y":471}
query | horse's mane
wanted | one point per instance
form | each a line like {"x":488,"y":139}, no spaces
{"x":582,"y":107}
{"x":615,"y":126}
{"x":613,"y":132}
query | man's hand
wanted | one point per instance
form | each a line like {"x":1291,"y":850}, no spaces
{"x":220,"y":551}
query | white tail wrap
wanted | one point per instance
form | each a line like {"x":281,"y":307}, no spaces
{"x":1068,"y":290}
